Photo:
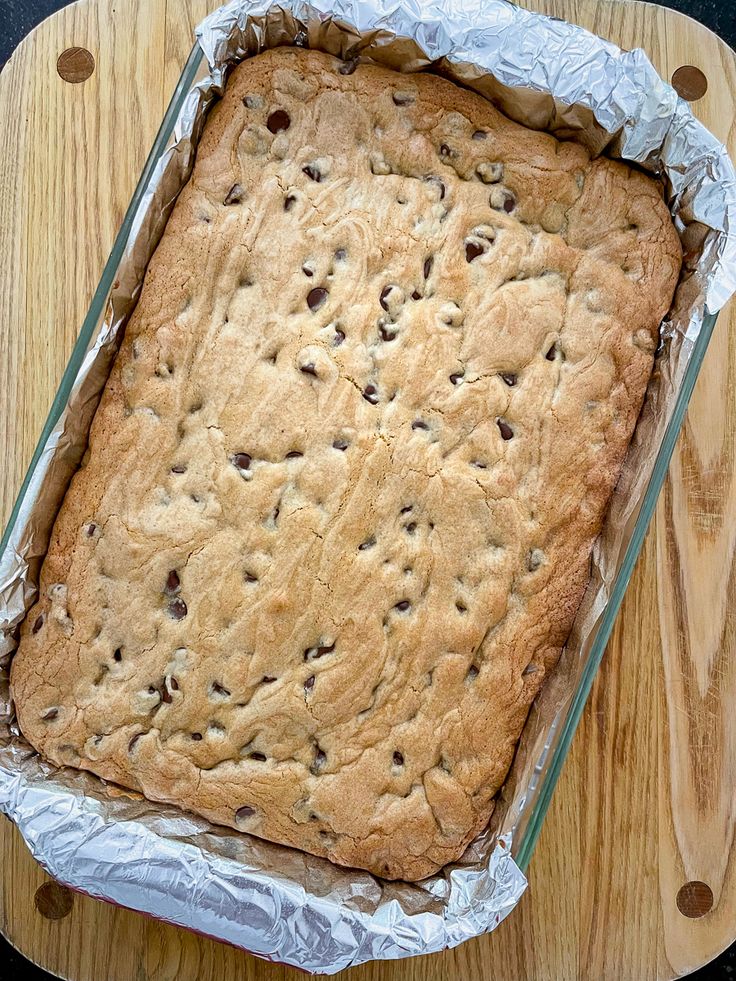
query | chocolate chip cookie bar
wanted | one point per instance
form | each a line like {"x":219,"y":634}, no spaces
{"x":336,"y":514}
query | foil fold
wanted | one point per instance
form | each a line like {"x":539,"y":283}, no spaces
{"x":278,"y":903}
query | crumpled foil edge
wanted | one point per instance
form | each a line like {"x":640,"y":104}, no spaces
{"x":280,"y":904}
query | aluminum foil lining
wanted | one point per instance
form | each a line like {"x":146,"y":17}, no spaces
{"x":276,"y":902}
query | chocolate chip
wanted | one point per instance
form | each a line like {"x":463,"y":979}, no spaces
{"x":172,"y":582}
{"x":117,"y":655}
{"x":307,"y":271}
{"x":308,"y":369}
{"x":196,"y":736}
{"x":278,"y":121}
{"x":411,"y":528}
{"x":165,"y":693}
{"x":368,"y":543}
{"x":552,"y":353}
{"x":407,"y":509}
{"x":433,"y":179}
{"x":289,"y":202}
{"x":402,"y":606}
{"x":509,"y":203}
{"x":177,"y":609}
{"x":472,"y":673}
{"x":179,"y":468}
{"x":340,"y":444}
{"x":385,"y":293}
{"x":509,"y":378}
{"x":259,"y":757}
{"x":348,"y":67}
{"x":249,"y":577}
{"x":504,"y":428}
{"x":50,"y":714}
{"x":341,"y":255}
{"x":428,"y":263}
{"x":133,"y":741}
{"x":314,"y":653}
{"x":234,"y":195}
{"x":267,"y":679}
{"x":293,"y":455}
{"x":91,"y":529}
{"x":480,"y":134}
{"x":472,"y":251}
{"x":461,"y":608}
{"x":416,"y":295}
{"x":457,"y":377}
{"x":316,"y":298}
{"x":38,"y":623}
{"x":398,"y":758}
{"x":387,"y":334}
{"x":309,"y":683}
{"x":242,"y":461}
{"x":312,"y":173}
{"x":370,"y":394}
{"x":419,"y":424}
{"x":445,"y":151}
{"x":174,"y":684}
{"x":402,"y":98}
{"x":244,"y":812}
{"x":320,"y":758}
{"x":338,"y":338}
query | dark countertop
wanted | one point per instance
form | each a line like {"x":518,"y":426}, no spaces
{"x":17,"y":18}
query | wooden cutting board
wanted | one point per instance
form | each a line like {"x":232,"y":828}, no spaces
{"x":635,"y":875}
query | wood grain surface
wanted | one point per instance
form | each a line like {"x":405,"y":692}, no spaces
{"x":634,"y":877}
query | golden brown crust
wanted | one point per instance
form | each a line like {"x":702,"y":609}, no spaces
{"x":347,"y":651}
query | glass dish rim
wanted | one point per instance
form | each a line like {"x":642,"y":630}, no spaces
{"x":98,"y":304}
{"x":524,"y":847}
{"x":524,"y":843}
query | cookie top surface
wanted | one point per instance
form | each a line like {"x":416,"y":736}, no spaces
{"x":336,"y":514}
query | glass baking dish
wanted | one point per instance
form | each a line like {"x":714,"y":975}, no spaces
{"x":527,"y":819}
